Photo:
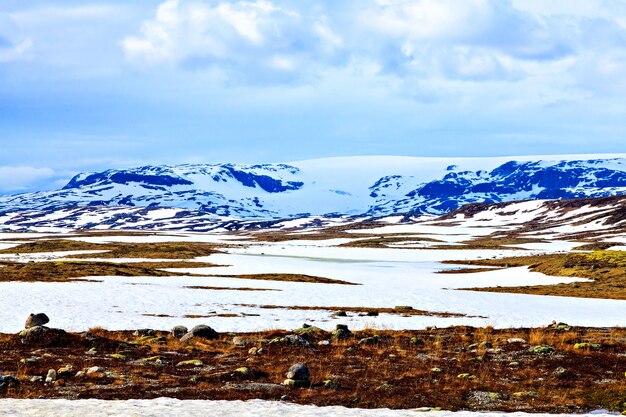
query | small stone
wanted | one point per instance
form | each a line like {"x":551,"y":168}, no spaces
{"x":514,"y":364}
{"x":466,"y":376}
{"x":51,"y":376}
{"x":541,"y":349}
{"x":253,"y":351}
{"x":369,"y":340}
{"x":36,"y":320}
{"x":340,"y":314}
{"x":329,"y":384}
{"x":117,"y":356}
{"x":423,"y":409}
{"x":94,"y":369}
{"x":516,"y":340}
{"x":65,"y":371}
{"x":240,"y":341}
{"x":145,"y":332}
{"x":80,"y":374}
{"x":36,"y":378}
{"x":436,"y":370}
{"x":191,"y":362}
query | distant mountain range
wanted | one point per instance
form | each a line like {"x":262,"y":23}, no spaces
{"x":348,"y":186}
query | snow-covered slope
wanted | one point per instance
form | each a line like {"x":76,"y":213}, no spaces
{"x":376,"y":185}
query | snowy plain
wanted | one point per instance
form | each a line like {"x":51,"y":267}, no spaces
{"x":385,"y":278}
{"x":171,"y":407}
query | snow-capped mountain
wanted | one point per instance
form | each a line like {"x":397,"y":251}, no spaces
{"x":373,"y":186}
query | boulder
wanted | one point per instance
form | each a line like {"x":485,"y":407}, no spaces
{"x":298,"y":372}
{"x":44,"y":336}
{"x":200,"y":331}
{"x":179,"y":331}
{"x":342,"y":332}
{"x":145,"y":332}
{"x":8,"y":382}
{"x":36,"y":320}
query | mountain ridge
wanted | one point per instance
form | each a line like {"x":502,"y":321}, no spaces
{"x":366,"y":186}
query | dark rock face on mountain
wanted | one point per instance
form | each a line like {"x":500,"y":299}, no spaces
{"x":372,"y":186}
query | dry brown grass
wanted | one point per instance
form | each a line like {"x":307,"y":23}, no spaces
{"x":160,"y":250}
{"x":606,"y":269}
{"x":399,"y":310}
{"x":396,"y":371}
{"x":386,"y":241}
{"x":65,"y":271}
{"x":288,"y":278}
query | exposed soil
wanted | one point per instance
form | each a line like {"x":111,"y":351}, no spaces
{"x":459,"y":368}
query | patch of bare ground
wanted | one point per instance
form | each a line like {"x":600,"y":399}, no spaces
{"x":593,"y":246}
{"x":386,"y":241}
{"x":204,"y":287}
{"x":67,"y":271}
{"x":467,"y":270}
{"x":160,"y":250}
{"x":363,"y":311}
{"x":491,"y":243}
{"x":605,"y":269}
{"x":288,"y":277}
{"x":462,"y":368}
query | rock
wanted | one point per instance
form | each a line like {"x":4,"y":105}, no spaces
{"x":65,"y":371}
{"x":192,"y":362}
{"x":323,"y":343}
{"x":240,"y":341}
{"x":253,"y":351}
{"x":94,"y":370}
{"x":436,"y":370}
{"x":36,"y":320}
{"x":342,"y":332}
{"x":369,"y":340}
{"x":36,"y":378}
{"x":43,"y":336}
{"x":295,"y":339}
{"x":51,"y":376}
{"x":560,"y":371}
{"x":514,"y":364}
{"x":255,"y":386}
{"x":298,"y":372}
{"x":417,"y":341}
{"x":340,"y":314}
{"x":178,"y":331}
{"x":201,"y":331}
{"x":485,"y":345}
{"x":80,"y":374}
{"x":117,"y":356}
{"x":8,"y":381}
{"x":525,"y":394}
{"x":330,"y":384}
{"x":466,"y":376}
{"x":541,"y":349}
{"x":372,"y":314}
{"x":145,"y":332}
{"x":516,"y":340}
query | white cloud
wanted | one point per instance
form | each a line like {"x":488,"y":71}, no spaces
{"x":21,"y":178}
{"x":249,"y":37}
{"x":13,"y":45}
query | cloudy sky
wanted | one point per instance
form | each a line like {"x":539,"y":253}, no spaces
{"x":111,"y":83}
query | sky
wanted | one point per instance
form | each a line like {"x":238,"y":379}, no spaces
{"x":92,"y":85}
